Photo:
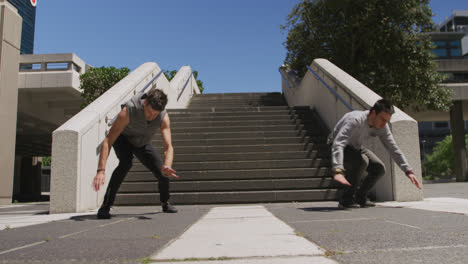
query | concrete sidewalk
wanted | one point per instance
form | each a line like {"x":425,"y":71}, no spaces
{"x":265,"y":233}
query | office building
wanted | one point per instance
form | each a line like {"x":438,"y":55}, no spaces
{"x":28,"y":13}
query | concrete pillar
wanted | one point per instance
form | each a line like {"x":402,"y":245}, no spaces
{"x":10,"y":41}
{"x":458,"y":139}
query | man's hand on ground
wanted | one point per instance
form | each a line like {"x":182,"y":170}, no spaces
{"x":414,"y":180}
{"x":99,"y":180}
{"x":339,"y":177}
{"x":168,"y":171}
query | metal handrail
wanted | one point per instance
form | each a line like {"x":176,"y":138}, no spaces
{"x":284,"y":78}
{"x":185,"y":85}
{"x":329,"y":88}
{"x":143,"y":89}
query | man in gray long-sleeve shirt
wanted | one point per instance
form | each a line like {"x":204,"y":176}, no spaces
{"x":350,"y":159}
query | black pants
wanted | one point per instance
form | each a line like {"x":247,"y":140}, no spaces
{"x":356,"y":162}
{"x":148,"y":156}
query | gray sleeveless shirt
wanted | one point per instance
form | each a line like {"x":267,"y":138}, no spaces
{"x":139,"y":131}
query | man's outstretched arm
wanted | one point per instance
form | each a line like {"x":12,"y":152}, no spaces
{"x":168,"y":149}
{"x":117,"y":127}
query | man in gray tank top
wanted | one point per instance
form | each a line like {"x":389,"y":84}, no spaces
{"x":130,"y":135}
{"x":350,"y":160}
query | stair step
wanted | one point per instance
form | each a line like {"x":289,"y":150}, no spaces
{"x":309,"y":154}
{"x":237,"y":174}
{"x":233,"y":123}
{"x":231,"y":185}
{"x":209,"y":109}
{"x":194,"y":150}
{"x":250,"y":103}
{"x":189,"y":114}
{"x":241,"y":141}
{"x":221,"y":96}
{"x":241,"y":134}
{"x":239,"y":165}
{"x":229,"y":197}
{"x":175,"y":119}
{"x":265,"y":128}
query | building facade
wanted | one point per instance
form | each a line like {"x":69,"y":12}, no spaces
{"x":457,"y":22}
{"x":451,"y":49}
{"x":27,"y":11}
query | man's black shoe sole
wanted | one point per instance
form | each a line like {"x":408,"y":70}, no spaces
{"x":347,"y":207}
{"x":103,"y":216}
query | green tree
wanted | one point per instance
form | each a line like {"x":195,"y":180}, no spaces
{"x":381,"y":43}
{"x":97,"y":81}
{"x":441,"y":162}
{"x":46,"y":161}
{"x":170,"y":75}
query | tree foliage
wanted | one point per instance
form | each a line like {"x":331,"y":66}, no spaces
{"x":441,"y":162}
{"x":97,"y":81}
{"x":381,"y":43}
{"x":170,"y":75}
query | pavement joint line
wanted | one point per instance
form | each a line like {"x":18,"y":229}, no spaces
{"x":115,"y":222}
{"x":404,"y":249}
{"x":332,"y":220}
{"x":64,"y":236}
{"x":22,"y":247}
{"x":88,"y":229}
{"x":393,"y":222}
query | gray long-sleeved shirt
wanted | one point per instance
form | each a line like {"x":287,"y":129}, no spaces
{"x":352,"y":129}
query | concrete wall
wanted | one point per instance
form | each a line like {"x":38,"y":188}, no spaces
{"x":460,"y":93}
{"x":452,"y":65}
{"x":311,"y":92}
{"x":75,"y":146}
{"x":10,"y":38}
{"x":50,"y":95}
{"x":183,"y":86}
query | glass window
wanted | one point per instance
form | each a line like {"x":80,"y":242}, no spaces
{"x":455,"y":43}
{"x":440,"y":52}
{"x":440,"y":43}
{"x":455,"y":52}
{"x":441,"y":124}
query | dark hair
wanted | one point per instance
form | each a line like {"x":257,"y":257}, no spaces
{"x":383,"y":105}
{"x":156,"y":98}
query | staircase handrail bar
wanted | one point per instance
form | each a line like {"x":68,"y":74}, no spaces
{"x":284,"y":78}
{"x":185,"y":85}
{"x":144,"y":88}
{"x":331,"y":89}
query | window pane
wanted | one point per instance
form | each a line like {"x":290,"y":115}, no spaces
{"x":440,"y":43}
{"x":455,"y":52}
{"x":455,"y":43}
{"x":440,"y":52}
{"x":441,"y":124}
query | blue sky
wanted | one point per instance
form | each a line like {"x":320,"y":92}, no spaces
{"x":236,"y":46}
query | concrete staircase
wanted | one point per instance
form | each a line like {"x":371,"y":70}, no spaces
{"x":240,"y":148}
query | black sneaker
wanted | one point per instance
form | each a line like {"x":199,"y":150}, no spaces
{"x":366,"y":203}
{"x":168,"y":208}
{"x":103,"y":213}
{"x":347,"y":205}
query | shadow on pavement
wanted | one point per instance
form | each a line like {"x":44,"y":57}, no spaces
{"x":321,"y":209}
{"x":115,"y":216}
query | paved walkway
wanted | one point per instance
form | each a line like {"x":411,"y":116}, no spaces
{"x":431,"y":231}
{"x":242,"y":232}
